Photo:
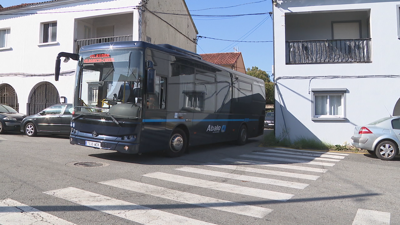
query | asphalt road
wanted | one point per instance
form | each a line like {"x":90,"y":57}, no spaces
{"x":47,"y":179}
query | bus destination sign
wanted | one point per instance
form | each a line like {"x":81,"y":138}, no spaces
{"x":99,"y":58}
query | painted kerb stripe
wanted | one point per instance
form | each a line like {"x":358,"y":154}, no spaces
{"x":322,"y":155}
{"x":297,"y":156}
{"x":260,"y":180}
{"x":13,"y":212}
{"x":122,"y":209}
{"x":264,"y":171}
{"x":280,"y":159}
{"x":282,"y":166}
{"x":236,"y":189}
{"x":314,"y":152}
{"x":213,"y":203}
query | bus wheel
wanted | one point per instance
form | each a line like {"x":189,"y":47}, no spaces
{"x":242,"y":139}
{"x":177,"y":143}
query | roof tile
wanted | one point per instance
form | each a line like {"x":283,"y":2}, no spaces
{"x":23,"y":5}
{"x":227,"y":58}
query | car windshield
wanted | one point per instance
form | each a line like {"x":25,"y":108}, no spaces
{"x":109,"y":83}
{"x":380,"y":121}
{"x":7,"y":109}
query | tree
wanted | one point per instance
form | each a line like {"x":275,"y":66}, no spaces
{"x":269,"y":86}
{"x":255,"y":72}
{"x":269,"y":93}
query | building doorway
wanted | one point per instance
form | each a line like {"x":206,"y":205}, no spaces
{"x":8,"y":96}
{"x":42,"y":96}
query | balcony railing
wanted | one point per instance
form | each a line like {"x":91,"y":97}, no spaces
{"x":328,"y":51}
{"x":83,"y":42}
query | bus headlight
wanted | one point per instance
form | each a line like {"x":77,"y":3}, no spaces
{"x":129,"y":137}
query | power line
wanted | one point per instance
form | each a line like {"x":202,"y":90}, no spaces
{"x":135,"y":7}
{"x":225,"y":7}
{"x":248,"y":33}
{"x":194,"y":41}
{"x":217,"y":16}
{"x":71,"y":11}
{"x":219,"y":39}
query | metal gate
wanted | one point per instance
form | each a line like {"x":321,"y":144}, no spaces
{"x":43,"y":96}
{"x":8,"y":96}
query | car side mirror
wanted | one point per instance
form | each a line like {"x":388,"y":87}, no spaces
{"x":42,"y":113}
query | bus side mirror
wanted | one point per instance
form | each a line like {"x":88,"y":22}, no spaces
{"x":58,"y":62}
{"x":151,"y":74}
{"x":58,"y":67}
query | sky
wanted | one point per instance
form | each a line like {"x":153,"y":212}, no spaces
{"x":248,"y":33}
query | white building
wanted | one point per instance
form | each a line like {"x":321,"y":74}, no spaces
{"x":335,"y":66}
{"x":31,"y":36}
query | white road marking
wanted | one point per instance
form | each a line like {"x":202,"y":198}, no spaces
{"x":189,"y":198}
{"x":298,"y":150}
{"x":371,"y":217}
{"x":264,"y":171}
{"x":316,"y":154}
{"x":236,"y":189}
{"x":233,"y":176}
{"x":269,"y":164}
{"x":280,"y":159}
{"x":122,"y":209}
{"x":13,"y":212}
{"x":294,"y":156}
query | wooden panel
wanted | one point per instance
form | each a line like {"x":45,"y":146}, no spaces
{"x":43,"y":96}
{"x":8,"y":96}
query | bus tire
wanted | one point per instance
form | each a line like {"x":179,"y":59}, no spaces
{"x":242,"y":138}
{"x":177,"y":143}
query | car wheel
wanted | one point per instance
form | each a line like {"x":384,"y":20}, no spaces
{"x":242,"y":139}
{"x":386,"y":150}
{"x":30,"y":129}
{"x":1,"y":128}
{"x":177,"y":143}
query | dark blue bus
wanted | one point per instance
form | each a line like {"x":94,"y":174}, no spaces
{"x":136,"y":97}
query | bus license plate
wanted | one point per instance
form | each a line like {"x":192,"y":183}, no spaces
{"x":93,"y":144}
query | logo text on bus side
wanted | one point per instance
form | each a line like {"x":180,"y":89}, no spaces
{"x":216,"y":128}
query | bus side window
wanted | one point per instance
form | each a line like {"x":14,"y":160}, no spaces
{"x":158,"y":99}
{"x":163,"y":93}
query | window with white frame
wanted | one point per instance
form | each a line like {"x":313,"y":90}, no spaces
{"x":329,"y":104}
{"x":48,"y":32}
{"x":4,"y":35}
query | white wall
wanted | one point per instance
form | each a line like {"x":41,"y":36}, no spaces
{"x":368,"y":98}
{"x":28,"y":62}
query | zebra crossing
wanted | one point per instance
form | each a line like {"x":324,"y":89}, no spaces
{"x":267,"y":168}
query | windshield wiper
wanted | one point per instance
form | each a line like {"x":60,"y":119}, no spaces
{"x":77,"y":117}
{"x":113,"y":118}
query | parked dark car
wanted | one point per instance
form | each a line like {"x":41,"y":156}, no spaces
{"x":53,"y":120}
{"x":269,"y":121}
{"x":10,"y":119}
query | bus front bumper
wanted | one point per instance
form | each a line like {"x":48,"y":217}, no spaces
{"x":123,"y":147}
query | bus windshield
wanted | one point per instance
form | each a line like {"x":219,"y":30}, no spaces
{"x":109,"y":83}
